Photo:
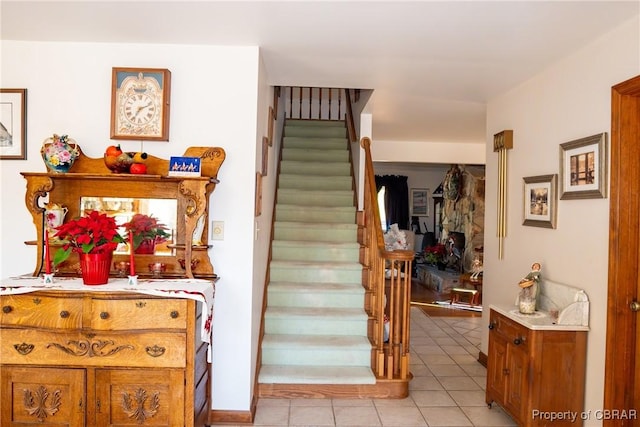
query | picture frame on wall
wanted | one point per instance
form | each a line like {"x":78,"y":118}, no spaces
{"x":272,"y":118}
{"x":419,"y":202}
{"x":13,"y":124}
{"x":583,"y":168}
{"x":265,"y":155}
{"x":258,"y":207}
{"x":540,"y":200}
{"x":140,"y":103}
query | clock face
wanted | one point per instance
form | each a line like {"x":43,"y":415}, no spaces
{"x":139,"y":109}
{"x":140,"y":104}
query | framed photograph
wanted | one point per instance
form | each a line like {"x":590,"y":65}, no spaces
{"x":272,"y":118}
{"x":540,"y":200}
{"x":13,"y":124}
{"x":419,"y":202}
{"x":140,"y":104}
{"x":258,"y":194}
{"x":583,"y":168}
{"x":265,"y":155}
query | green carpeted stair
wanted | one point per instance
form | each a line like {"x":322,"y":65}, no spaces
{"x":315,"y":323}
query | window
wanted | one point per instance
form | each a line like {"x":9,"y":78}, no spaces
{"x":383,"y":215}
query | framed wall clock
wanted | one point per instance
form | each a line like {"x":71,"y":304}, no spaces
{"x":140,"y":101}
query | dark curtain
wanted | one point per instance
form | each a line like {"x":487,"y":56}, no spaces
{"x":396,"y":200}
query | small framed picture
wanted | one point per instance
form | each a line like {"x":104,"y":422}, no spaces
{"x":583,"y":168}
{"x":13,"y":124}
{"x":272,"y":118}
{"x":265,"y":155}
{"x":140,"y":102}
{"x":419,"y":202}
{"x":258,"y":207}
{"x":540,"y":200}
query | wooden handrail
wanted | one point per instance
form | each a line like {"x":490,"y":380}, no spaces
{"x":389,"y":298}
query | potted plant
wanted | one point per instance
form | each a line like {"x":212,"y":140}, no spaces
{"x":436,"y":255}
{"x":94,"y":237}
{"x":147,"y":231}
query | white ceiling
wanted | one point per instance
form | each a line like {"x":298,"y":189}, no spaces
{"x":433,"y":65}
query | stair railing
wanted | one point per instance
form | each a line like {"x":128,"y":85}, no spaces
{"x":387,"y":280}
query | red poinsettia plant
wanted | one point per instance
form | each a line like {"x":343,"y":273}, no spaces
{"x":146,"y":227}
{"x":436,"y":253}
{"x":91,"y":234}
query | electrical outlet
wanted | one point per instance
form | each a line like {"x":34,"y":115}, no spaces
{"x":217,"y":230}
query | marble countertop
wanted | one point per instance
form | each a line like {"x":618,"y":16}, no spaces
{"x":539,"y":320}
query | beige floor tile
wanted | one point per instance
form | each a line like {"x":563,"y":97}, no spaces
{"x":432,"y":398}
{"x":401,"y":417}
{"x":425,"y":383}
{"x":352,"y":402}
{"x":437,"y":359}
{"x":311,"y":416}
{"x":459,"y":383}
{"x":271,"y":415}
{"x":469,"y":398}
{"x":274,"y":402}
{"x":488,"y":417}
{"x":356,"y":416}
{"x":446,"y":370}
{"x":400,"y":403}
{"x":445,"y":417}
{"x":311,"y":402}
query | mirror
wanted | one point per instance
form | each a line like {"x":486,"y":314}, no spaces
{"x":122,"y":209}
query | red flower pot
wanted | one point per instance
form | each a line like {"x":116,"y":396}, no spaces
{"x":147,"y":247}
{"x":95,"y":268}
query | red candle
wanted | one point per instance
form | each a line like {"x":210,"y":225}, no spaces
{"x":47,"y":256}
{"x":132,"y":269}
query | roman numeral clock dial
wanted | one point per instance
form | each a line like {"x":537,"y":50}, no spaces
{"x":140,"y":104}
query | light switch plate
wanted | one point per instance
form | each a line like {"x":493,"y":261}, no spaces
{"x":217,"y":230}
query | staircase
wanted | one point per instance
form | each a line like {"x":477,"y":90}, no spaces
{"x":315,"y":325}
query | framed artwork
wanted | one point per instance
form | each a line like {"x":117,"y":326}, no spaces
{"x":583,"y":168}
{"x":258,"y":194}
{"x":272,"y":118}
{"x":13,"y":124}
{"x":540,"y":200}
{"x":265,"y":155}
{"x":140,"y":101}
{"x":419,"y":202}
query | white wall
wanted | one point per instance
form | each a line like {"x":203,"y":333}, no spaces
{"x":215,"y":96}
{"x":570,"y":100}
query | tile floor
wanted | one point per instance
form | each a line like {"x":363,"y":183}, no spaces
{"x":447,"y":388}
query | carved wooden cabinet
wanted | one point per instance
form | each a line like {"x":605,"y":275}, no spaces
{"x":532,"y":370}
{"x":101,"y":359}
{"x":89,"y":177}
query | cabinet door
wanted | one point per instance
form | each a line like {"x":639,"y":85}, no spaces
{"x":517,"y":379}
{"x":496,"y":368}
{"x":42,"y":397}
{"x":134,"y":397}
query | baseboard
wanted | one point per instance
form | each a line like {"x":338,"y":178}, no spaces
{"x":482,"y":359}
{"x":217,"y":416}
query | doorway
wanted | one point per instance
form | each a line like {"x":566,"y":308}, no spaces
{"x":622,"y":364}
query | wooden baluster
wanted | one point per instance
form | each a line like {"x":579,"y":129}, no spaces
{"x":310,"y":98}
{"x":330,"y":102}
{"x":320,"y":102}
{"x":291,"y":102}
{"x":339,"y":103}
{"x":300,"y":102}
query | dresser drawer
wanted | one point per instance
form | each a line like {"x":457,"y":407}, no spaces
{"x":510,"y":330}
{"x":40,"y":311}
{"x":138,"y":313}
{"x":29,"y":347}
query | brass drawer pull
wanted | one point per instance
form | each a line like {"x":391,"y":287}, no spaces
{"x":7,"y":309}
{"x":64,"y":314}
{"x":104,"y":315}
{"x":24,"y":348}
{"x":155,"y":351}
{"x":174,"y":314}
